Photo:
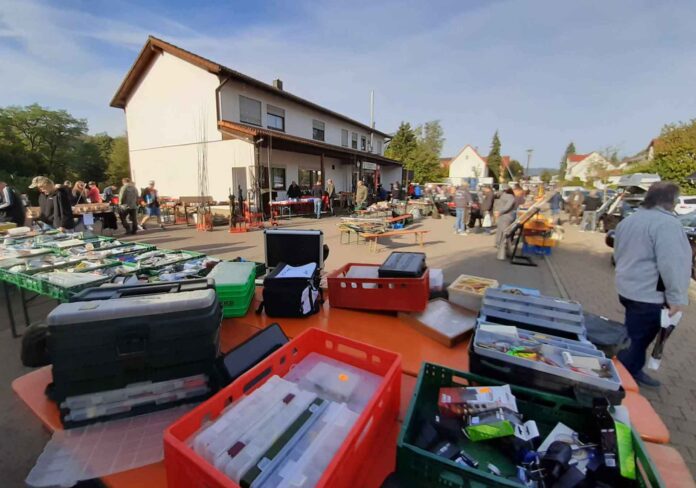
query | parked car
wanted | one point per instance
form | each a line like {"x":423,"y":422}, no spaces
{"x":686,"y":205}
{"x":626,"y":207}
{"x":688,"y":221}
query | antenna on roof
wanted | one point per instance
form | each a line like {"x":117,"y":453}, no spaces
{"x":372,"y":119}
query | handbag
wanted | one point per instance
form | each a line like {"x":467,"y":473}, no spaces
{"x":487,"y":220}
{"x":285,"y":295}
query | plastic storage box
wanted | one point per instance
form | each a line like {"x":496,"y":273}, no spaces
{"x":108,"y":344}
{"x":537,"y":374}
{"x":467,"y":291}
{"x":418,"y":467}
{"x":403,"y":265}
{"x":186,"y":469}
{"x":234,"y":285}
{"x":395,"y":294}
{"x":542,"y":313}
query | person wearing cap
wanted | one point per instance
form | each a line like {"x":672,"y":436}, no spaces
{"x":11,"y":206}
{"x":54,"y":204}
{"x":152,"y":205}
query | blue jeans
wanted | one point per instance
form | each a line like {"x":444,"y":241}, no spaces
{"x":642,"y":325}
{"x":460,"y":226}
{"x":317,"y":207}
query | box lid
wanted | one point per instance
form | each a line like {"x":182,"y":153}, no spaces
{"x":294,"y":247}
{"x":228,"y":273}
{"x":122,"y":308}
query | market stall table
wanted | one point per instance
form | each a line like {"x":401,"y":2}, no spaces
{"x":383,"y":330}
{"x":281,"y":208}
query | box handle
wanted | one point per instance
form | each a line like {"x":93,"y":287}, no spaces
{"x":131,"y":345}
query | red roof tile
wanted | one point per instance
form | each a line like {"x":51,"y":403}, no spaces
{"x":576,"y":158}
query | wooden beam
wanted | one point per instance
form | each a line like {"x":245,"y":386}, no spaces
{"x":321,"y":168}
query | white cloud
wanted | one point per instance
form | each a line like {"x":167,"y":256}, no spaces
{"x":542,"y":72}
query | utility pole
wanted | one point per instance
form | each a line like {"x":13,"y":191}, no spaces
{"x":529,"y":158}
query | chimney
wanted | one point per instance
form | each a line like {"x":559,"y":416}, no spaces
{"x":278,"y":83}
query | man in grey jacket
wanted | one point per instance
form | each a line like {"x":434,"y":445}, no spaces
{"x":505,"y":215}
{"x":653,"y":264}
{"x":128,"y":199}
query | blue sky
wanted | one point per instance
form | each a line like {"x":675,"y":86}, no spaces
{"x":600,"y":73}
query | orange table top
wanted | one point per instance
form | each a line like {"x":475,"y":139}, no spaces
{"x":380,"y":329}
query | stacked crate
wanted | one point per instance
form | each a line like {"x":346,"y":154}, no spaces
{"x":234,"y":285}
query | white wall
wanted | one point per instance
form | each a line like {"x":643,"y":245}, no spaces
{"x":389,"y":175}
{"x":171,"y":100}
{"x":466,"y":165}
{"x":175,"y":168}
{"x":298,"y":118}
{"x":586,"y":168}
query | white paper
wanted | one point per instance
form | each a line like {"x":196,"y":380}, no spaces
{"x":527,"y":431}
{"x":304,"y":271}
{"x":88,"y":219}
{"x":666,"y":320}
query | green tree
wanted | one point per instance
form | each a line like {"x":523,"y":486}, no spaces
{"x":564,"y":162}
{"x":431,"y":136}
{"x":516,"y":168}
{"x":424,"y":164}
{"x":402,"y":144}
{"x":119,"y":161}
{"x":88,"y":162}
{"x":675,"y":154}
{"x":546,"y":176}
{"x":494,"y":159}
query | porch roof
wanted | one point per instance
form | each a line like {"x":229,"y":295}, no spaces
{"x":286,"y":142}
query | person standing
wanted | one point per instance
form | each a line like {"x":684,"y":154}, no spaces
{"x":487,"y":200}
{"x":11,"y":206}
{"x":360,"y":196}
{"x":520,"y":195}
{"x":505,"y":214}
{"x":128,"y":200}
{"x":54,"y":204}
{"x":293,"y":191}
{"x":589,"y":215}
{"x":331,"y":193}
{"x":150,"y":196}
{"x":462,"y":200}
{"x":653,"y":268}
{"x":93,"y":193}
{"x":78,"y":195}
{"x":110,"y":193}
{"x":317,"y":194}
{"x":396,"y":192}
{"x":555,"y":206}
{"x":575,"y":206}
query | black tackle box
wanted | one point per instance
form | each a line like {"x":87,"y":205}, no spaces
{"x":141,"y":333}
{"x":403,"y":265}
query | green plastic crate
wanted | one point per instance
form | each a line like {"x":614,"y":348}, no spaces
{"x":65,"y":293}
{"x":417,"y":467}
{"x":236,"y":307}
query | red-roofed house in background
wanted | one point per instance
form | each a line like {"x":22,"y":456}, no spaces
{"x":584,"y":166}
{"x":468,"y":163}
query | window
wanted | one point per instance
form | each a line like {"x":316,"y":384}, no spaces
{"x":249,"y":110}
{"x":317,"y":130}
{"x":278,"y":178}
{"x":275,"y":118}
{"x":354,"y":140}
{"x":344,"y":138}
{"x":363,"y":143}
{"x":378,"y":147}
{"x":307,"y":178}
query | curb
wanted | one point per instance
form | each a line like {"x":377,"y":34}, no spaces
{"x":556,"y":278}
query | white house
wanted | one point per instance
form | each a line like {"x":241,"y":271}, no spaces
{"x":179,"y":105}
{"x":584,"y":166}
{"x":468,"y":163}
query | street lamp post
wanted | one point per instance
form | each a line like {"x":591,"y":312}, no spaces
{"x":529,"y":158}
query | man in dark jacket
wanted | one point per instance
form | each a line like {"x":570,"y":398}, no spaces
{"x":462,"y":200}
{"x":589,"y":215}
{"x":294,"y":190}
{"x":128,"y":200}
{"x":54,"y":204}
{"x":11,"y":206}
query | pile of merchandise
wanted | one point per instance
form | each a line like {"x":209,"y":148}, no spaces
{"x":286,"y":432}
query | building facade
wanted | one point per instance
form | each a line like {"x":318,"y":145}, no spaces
{"x":585,"y":166}
{"x":182,"y":109}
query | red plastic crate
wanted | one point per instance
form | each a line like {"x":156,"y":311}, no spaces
{"x":393,"y":294}
{"x":186,"y":469}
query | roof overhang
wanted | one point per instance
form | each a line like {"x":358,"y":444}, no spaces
{"x":286,"y":142}
{"x":154,"y":47}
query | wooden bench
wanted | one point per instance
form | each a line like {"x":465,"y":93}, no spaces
{"x":399,"y":218}
{"x":373,"y":238}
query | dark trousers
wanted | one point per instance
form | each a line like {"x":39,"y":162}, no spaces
{"x":133,"y":214}
{"x":642,"y":325}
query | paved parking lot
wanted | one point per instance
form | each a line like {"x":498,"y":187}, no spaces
{"x":581,"y":263}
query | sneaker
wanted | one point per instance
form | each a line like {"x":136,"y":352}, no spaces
{"x":643,"y":379}
{"x":140,"y":227}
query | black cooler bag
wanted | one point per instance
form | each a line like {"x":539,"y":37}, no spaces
{"x":291,"y":297}
{"x":153,"y":335}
